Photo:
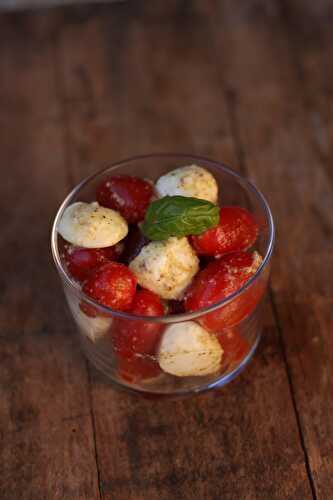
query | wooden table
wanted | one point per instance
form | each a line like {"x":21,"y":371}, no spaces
{"x":249,"y":83}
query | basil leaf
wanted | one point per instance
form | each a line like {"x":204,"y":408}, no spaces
{"x":179,"y":216}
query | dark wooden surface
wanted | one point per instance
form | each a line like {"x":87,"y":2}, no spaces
{"x":249,"y":83}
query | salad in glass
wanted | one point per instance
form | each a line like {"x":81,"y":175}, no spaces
{"x":165,"y":261}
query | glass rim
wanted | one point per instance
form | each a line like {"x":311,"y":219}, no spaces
{"x":168,"y":318}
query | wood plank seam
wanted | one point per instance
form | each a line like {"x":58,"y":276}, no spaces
{"x":308,"y":101}
{"x":231,"y":99}
{"x":305,"y":90}
{"x":65,"y":114}
{"x":292,"y":394}
{"x":93,"y":423}
{"x":70,"y":179}
{"x":231,"y":104}
{"x":308,"y":104}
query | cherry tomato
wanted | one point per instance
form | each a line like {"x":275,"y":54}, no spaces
{"x":81,"y":261}
{"x":135,"y":336}
{"x":219,"y":280}
{"x":236,"y":231}
{"x":128,"y":195}
{"x":112,"y":285}
{"x":135,"y":368}
{"x":234,"y":346}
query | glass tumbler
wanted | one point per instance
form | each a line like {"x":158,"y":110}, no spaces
{"x":142,"y":373}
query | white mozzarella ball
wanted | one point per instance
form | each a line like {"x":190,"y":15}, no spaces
{"x":191,"y":181}
{"x":93,"y":328}
{"x":187,"y":350}
{"x":166,"y":267}
{"x":89,"y":225}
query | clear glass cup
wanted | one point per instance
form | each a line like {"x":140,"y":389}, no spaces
{"x":95,"y":333}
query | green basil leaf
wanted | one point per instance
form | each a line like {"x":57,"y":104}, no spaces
{"x":179,"y":216}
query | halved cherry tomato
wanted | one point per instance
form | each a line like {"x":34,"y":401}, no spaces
{"x":136,"y":336}
{"x":112,"y":285}
{"x":81,"y":261}
{"x":219,"y":280}
{"x":128,"y":195}
{"x":134,"y":368}
{"x":236,"y":231}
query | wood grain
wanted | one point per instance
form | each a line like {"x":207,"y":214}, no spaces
{"x":33,"y":4}
{"x":112,"y":90}
{"x":282,"y":156}
{"x":248,"y":83}
{"x":228,"y":444}
{"x":43,"y":376}
{"x":148,"y":80}
{"x":27,"y":64}
{"x":311,"y":38}
{"x":53,"y":460}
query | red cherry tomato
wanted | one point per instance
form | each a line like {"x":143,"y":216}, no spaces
{"x":234,"y":346}
{"x":236,"y":231}
{"x":81,"y":261}
{"x":112,"y":285}
{"x":128,"y":195}
{"x":135,"y":336}
{"x":135,"y":368}
{"x":219,"y":280}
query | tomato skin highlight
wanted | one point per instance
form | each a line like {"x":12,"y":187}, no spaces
{"x":112,"y":285}
{"x":237,"y":231}
{"x":216,"y":282}
{"x":130,"y":196}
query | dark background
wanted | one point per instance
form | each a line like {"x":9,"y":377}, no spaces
{"x":248,"y":83}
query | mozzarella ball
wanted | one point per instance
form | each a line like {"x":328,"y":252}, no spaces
{"x":93,"y":328}
{"x":187,"y":350}
{"x":166,"y":267}
{"x":89,"y":225}
{"x":192,"y":181}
